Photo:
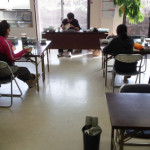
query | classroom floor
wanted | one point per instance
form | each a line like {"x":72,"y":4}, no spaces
{"x":53,"y":118}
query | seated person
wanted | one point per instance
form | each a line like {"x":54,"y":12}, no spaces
{"x":7,"y":55}
{"x":69,"y":23}
{"x":122,"y":44}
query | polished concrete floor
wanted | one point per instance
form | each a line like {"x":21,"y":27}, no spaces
{"x":53,"y":118}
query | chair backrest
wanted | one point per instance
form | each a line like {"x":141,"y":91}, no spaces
{"x":128,"y":58}
{"x":135,"y":88}
{"x":111,"y":36}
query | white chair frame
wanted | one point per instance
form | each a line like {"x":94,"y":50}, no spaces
{"x":3,"y":81}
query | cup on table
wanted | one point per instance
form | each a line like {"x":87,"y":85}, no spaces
{"x":43,"y":41}
{"x":24,"y":39}
{"x":32,"y":40}
{"x":142,"y":39}
{"x":58,"y":29}
{"x":28,"y":49}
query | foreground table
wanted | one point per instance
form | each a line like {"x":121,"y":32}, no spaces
{"x":36,"y":56}
{"x":128,"y":111}
{"x":74,"y":40}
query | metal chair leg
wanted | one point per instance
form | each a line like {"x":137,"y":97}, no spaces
{"x":11,"y":95}
{"x":18,"y":88}
{"x":113,"y":81}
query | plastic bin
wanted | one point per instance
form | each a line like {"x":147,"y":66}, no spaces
{"x":91,"y":142}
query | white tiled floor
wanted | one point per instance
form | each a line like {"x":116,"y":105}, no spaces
{"x":53,"y":118}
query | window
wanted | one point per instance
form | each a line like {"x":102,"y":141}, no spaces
{"x":51,"y":12}
{"x":79,"y":8}
{"x":141,"y":28}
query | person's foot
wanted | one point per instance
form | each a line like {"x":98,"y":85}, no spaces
{"x":125,"y":80}
{"x":69,"y":54}
{"x":60,"y":55}
{"x":31,"y":83}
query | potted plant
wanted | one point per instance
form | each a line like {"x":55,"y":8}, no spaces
{"x":130,"y":9}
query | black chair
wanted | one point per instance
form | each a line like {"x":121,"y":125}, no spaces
{"x":130,"y":134}
{"x":135,"y":88}
{"x":4,"y":67}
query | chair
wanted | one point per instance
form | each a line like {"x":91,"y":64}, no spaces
{"x":8,"y":79}
{"x":140,"y":134}
{"x":137,"y":38}
{"x":105,"y":58}
{"x":128,"y":59}
{"x":135,"y":88}
{"x":111,"y":36}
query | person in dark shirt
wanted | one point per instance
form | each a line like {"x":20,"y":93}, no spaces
{"x":70,"y":23}
{"x":122,"y":44}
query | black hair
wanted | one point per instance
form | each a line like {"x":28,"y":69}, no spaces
{"x":3,"y":28}
{"x":122,"y":31}
{"x":70,"y":15}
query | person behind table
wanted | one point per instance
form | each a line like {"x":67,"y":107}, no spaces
{"x":73,"y":25}
{"x":7,"y":55}
{"x":122,"y":44}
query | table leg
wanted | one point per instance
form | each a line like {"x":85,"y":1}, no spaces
{"x":103,"y":64}
{"x":112,"y":138}
{"x":47,"y":51}
{"x":106,"y":61}
{"x":36,"y":65}
{"x":43,"y":67}
{"x":102,"y":60}
{"x":121,"y":142}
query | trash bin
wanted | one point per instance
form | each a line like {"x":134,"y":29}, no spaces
{"x":91,"y":142}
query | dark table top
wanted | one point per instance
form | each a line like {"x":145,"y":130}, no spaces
{"x":37,"y":48}
{"x":129,"y":110}
{"x":74,"y":32}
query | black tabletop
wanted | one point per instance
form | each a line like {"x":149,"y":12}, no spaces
{"x":37,"y":48}
{"x":129,"y":110}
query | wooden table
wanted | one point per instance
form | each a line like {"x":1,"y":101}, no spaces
{"x":128,"y":111}
{"x":74,"y":40}
{"x":36,"y":56}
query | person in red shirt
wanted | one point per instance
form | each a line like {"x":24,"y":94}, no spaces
{"x":7,"y":55}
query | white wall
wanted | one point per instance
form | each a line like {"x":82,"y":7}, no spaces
{"x":97,"y":21}
{"x":116,"y":21}
{"x":31,"y":32}
{"x":95,"y":13}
